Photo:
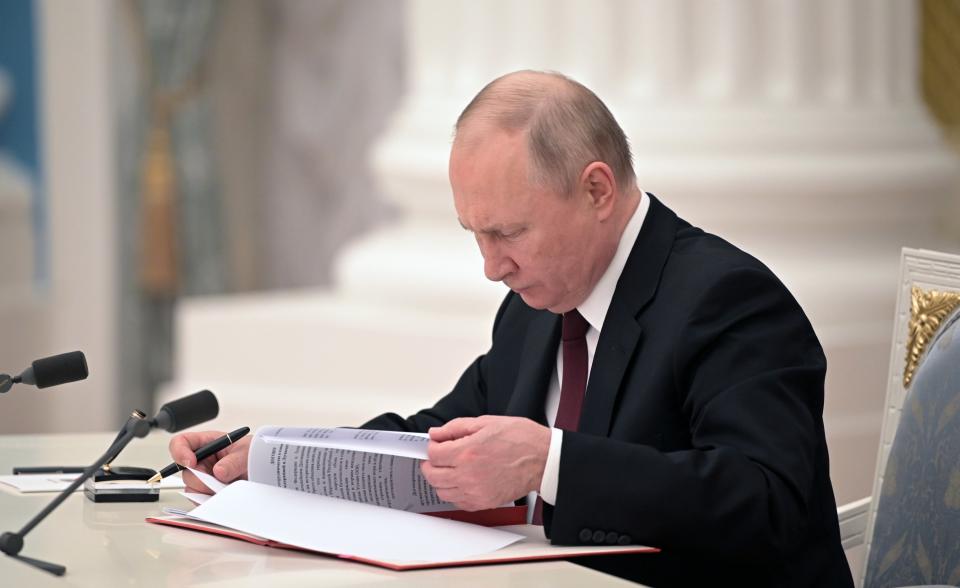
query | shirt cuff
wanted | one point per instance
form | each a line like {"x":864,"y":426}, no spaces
{"x":551,"y":471}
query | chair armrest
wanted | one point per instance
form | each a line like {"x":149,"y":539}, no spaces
{"x":853,"y":522}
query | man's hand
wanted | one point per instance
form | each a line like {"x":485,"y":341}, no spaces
{"x":225,"y":465}
{"x":485,"y":462}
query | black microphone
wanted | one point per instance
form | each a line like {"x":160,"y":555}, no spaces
{"x":56,"y":370}
{"x":188,"y":411}
{"x":50,"y":371}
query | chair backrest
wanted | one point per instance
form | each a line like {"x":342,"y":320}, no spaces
{"x":913,"y":528}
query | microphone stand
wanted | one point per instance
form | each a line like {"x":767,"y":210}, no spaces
{"x":12,"y":543}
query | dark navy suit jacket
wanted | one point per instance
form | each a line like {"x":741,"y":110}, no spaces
{"x":701,"y":431}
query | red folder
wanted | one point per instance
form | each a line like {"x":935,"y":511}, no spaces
{"x":533,"y":548}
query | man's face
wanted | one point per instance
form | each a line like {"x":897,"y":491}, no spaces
{"x":541,"y":244}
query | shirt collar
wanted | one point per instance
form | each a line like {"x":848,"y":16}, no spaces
{"x":595,"y":307}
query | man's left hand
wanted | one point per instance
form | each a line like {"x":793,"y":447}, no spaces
{"x":486,"y":462}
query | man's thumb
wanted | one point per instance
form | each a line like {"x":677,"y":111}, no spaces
{"x":227,"y":470}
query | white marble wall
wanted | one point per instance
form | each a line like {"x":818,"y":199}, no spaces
{"x":794,"y":128}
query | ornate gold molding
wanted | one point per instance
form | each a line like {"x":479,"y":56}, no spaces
{"x":928,"y":308}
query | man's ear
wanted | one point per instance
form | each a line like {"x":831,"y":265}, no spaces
{"x":598,"y":183}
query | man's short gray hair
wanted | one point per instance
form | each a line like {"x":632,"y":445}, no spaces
{"x":568,"y":126}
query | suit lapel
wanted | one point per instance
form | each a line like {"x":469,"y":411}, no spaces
{"x":621,"y":332}
{"x":537,"y":364}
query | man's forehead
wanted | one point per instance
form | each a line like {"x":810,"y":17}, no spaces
{"x":488,"y":174}
{"x":488,"y":165}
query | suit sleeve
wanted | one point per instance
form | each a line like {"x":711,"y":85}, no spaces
{"x":467,"y":399}
{"x":749,"y":376}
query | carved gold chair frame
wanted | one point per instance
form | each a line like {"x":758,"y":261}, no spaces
{"x":929,"y":292}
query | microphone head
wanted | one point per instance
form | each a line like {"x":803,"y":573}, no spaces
{"x":56,"y":370}
{"x":188,"y":411}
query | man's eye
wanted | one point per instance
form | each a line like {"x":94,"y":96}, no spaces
{"x":513,"y":235}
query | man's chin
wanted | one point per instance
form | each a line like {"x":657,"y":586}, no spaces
{"x":531,"y":299}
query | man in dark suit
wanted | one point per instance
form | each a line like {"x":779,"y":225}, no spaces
{"x":650,"y":382}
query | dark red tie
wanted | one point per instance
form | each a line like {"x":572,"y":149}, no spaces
{"x":574,"y":384}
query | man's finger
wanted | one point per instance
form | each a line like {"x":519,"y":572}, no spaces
{"x":443,"y":454}
{"x":181,"y":452}
{"x":241,"y":446}
{"x":455,"y":429}
{"x":439,"y":477}
{"x":206,"y":465}
{"x":231,"y":467}
{"x":183,"y":446}
{"x":450,"y":495}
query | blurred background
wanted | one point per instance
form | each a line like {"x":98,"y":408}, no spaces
{"x":250,"y":196}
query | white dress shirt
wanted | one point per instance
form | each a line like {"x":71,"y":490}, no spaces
{"x":594,"y":310}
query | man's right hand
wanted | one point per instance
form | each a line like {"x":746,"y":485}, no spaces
{"x":226,"y":465}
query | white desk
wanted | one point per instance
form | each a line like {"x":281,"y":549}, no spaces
{"x":111,"y":545}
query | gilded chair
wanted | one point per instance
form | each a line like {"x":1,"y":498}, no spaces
{"x":911,"y":524}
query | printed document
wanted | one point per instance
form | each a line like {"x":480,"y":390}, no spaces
{"x":373,"y":467}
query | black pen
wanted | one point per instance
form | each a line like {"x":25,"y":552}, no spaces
{"x":203,"y":453}
{"x":48,"y":470}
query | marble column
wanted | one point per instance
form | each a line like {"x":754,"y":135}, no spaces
{"x":794,"y":129}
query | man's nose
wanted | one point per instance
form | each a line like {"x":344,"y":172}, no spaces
{"x":496,"y":268}
{"x":496,"y":265}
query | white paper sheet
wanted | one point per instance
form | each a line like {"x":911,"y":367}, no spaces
{"x":29,"y":483}
{"x":373,"y":467}
{"x":343,"y":527}
{"x":209,"y":481}
{"x":196,"y":497}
